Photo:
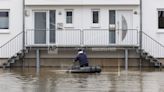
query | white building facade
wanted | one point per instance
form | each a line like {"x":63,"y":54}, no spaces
{"x":77,"y":23}
{"x":153,"y":26}
{"x":11,"y":25}
{"x":73,"y":19}
{"x":11,"y":19}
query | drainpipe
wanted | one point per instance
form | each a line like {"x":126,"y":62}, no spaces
{"x":23,"y":39}
{"x":140,"y":32}
{"x":140,"y":24}
{"x":23,"y":24}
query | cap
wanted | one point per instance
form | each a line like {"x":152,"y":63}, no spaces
{"x":80,"y":50}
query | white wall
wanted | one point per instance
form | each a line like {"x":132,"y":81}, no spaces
{"x":150,"y":27}
{"x":150,"y":19}
{"x":82,"y":2}
{"x":82,"y":15}
{"x":15,"y":19}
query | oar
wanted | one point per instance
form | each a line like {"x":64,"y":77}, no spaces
{"x":71,"y":66}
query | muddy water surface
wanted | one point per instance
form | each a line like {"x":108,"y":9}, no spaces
{"x":56,"y":80}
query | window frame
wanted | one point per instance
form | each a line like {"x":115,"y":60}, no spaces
{"x":6,"y":10}
{"x":158,"y":25}
{"x":95,"y":25}
{"x":98,"y":16}
{"x":69,"y":10}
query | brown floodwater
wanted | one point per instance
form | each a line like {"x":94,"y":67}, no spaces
{"x":56,"y":80}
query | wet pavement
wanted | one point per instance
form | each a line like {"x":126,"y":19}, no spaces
{"x":57,"y":80}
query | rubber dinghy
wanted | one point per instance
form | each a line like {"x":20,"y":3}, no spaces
{"x":89,"y":69}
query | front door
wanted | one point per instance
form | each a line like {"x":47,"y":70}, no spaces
{"x":124,"y":26}
{"x":44,"y":26}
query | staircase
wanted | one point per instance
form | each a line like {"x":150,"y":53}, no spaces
{"x":146,"y":57}
{"x":150,"y":52}
{"x":19,"y":56}
{"x":12,"y":50}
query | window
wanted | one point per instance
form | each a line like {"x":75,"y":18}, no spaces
{"x":95,"y":17}
{"x":69,"y":15}
{"x":112,"y":17}
{"x":4,"y":20}
{"x":112,"y":30}
{"x":161,"y":19}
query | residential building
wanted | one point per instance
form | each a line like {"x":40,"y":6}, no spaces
{"x":96,"y":25}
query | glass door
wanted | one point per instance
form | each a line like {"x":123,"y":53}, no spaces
{"x":112,"y":25}
{"x":52,"y":26}
{"x":44,"y":27}
{"x":40,"y":27}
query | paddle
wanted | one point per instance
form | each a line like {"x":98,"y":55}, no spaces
{"x":71,"y":66}
{"x":73,"y":63}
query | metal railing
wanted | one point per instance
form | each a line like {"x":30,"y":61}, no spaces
{"x":42,"y":37}
{"x":11,"y":47}
{"x":103,"y":37}
{"x":152,"y":46}
{"x":85,"y":37}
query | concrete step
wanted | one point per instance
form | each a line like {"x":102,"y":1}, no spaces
{"x":19,"y":53}
{"x":144,"y":53}
{"x":152,"y":60}
{"x":12,"y":61}
{"x":8,"y":65}
{"x":13,"y":57}
{"x":139,"y":50}
{"x":26,"y":50}
{"x":150,"y":56}
{"x":155,"y":60}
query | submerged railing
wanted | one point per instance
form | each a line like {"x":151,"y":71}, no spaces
{"x":152,"y":46}
{"x":77,"y":37}
{"x":11,"y":47}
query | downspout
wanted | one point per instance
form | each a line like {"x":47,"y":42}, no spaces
{"x":140,"y":33}
{"x":23,"y":24}
{"x":23,"y":39}
{"x":140,"y":24}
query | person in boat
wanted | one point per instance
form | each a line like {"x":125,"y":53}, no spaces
{"x":82,"y":58}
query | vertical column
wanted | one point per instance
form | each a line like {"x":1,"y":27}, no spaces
{"x":126,"y":59}
{"x":140,"y":33}
{"x":37,"y":60}
{"x":81,"y":37}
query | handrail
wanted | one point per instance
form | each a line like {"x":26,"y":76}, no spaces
{"x":11,"y":47}
{"x":52,"y":29}
{"x":78,"y":29}
{"x":153,"y":39}
{"x":152,"y":46}
{"x":11,"y":39}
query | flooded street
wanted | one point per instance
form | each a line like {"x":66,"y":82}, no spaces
{"x":56,"y":80}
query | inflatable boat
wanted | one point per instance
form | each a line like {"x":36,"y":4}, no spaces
{"x":88,"y":69}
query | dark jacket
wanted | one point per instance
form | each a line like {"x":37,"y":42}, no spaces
{"x":82,"y":58}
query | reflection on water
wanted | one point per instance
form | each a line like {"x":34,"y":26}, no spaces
{"x":56,"y":80}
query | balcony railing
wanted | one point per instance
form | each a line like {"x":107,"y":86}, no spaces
{"x":85,"y":37}
{"x":152,"y":46}
{"x":11,"y":47}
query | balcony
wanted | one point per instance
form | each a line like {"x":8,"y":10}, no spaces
{"x":81,"y":38}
